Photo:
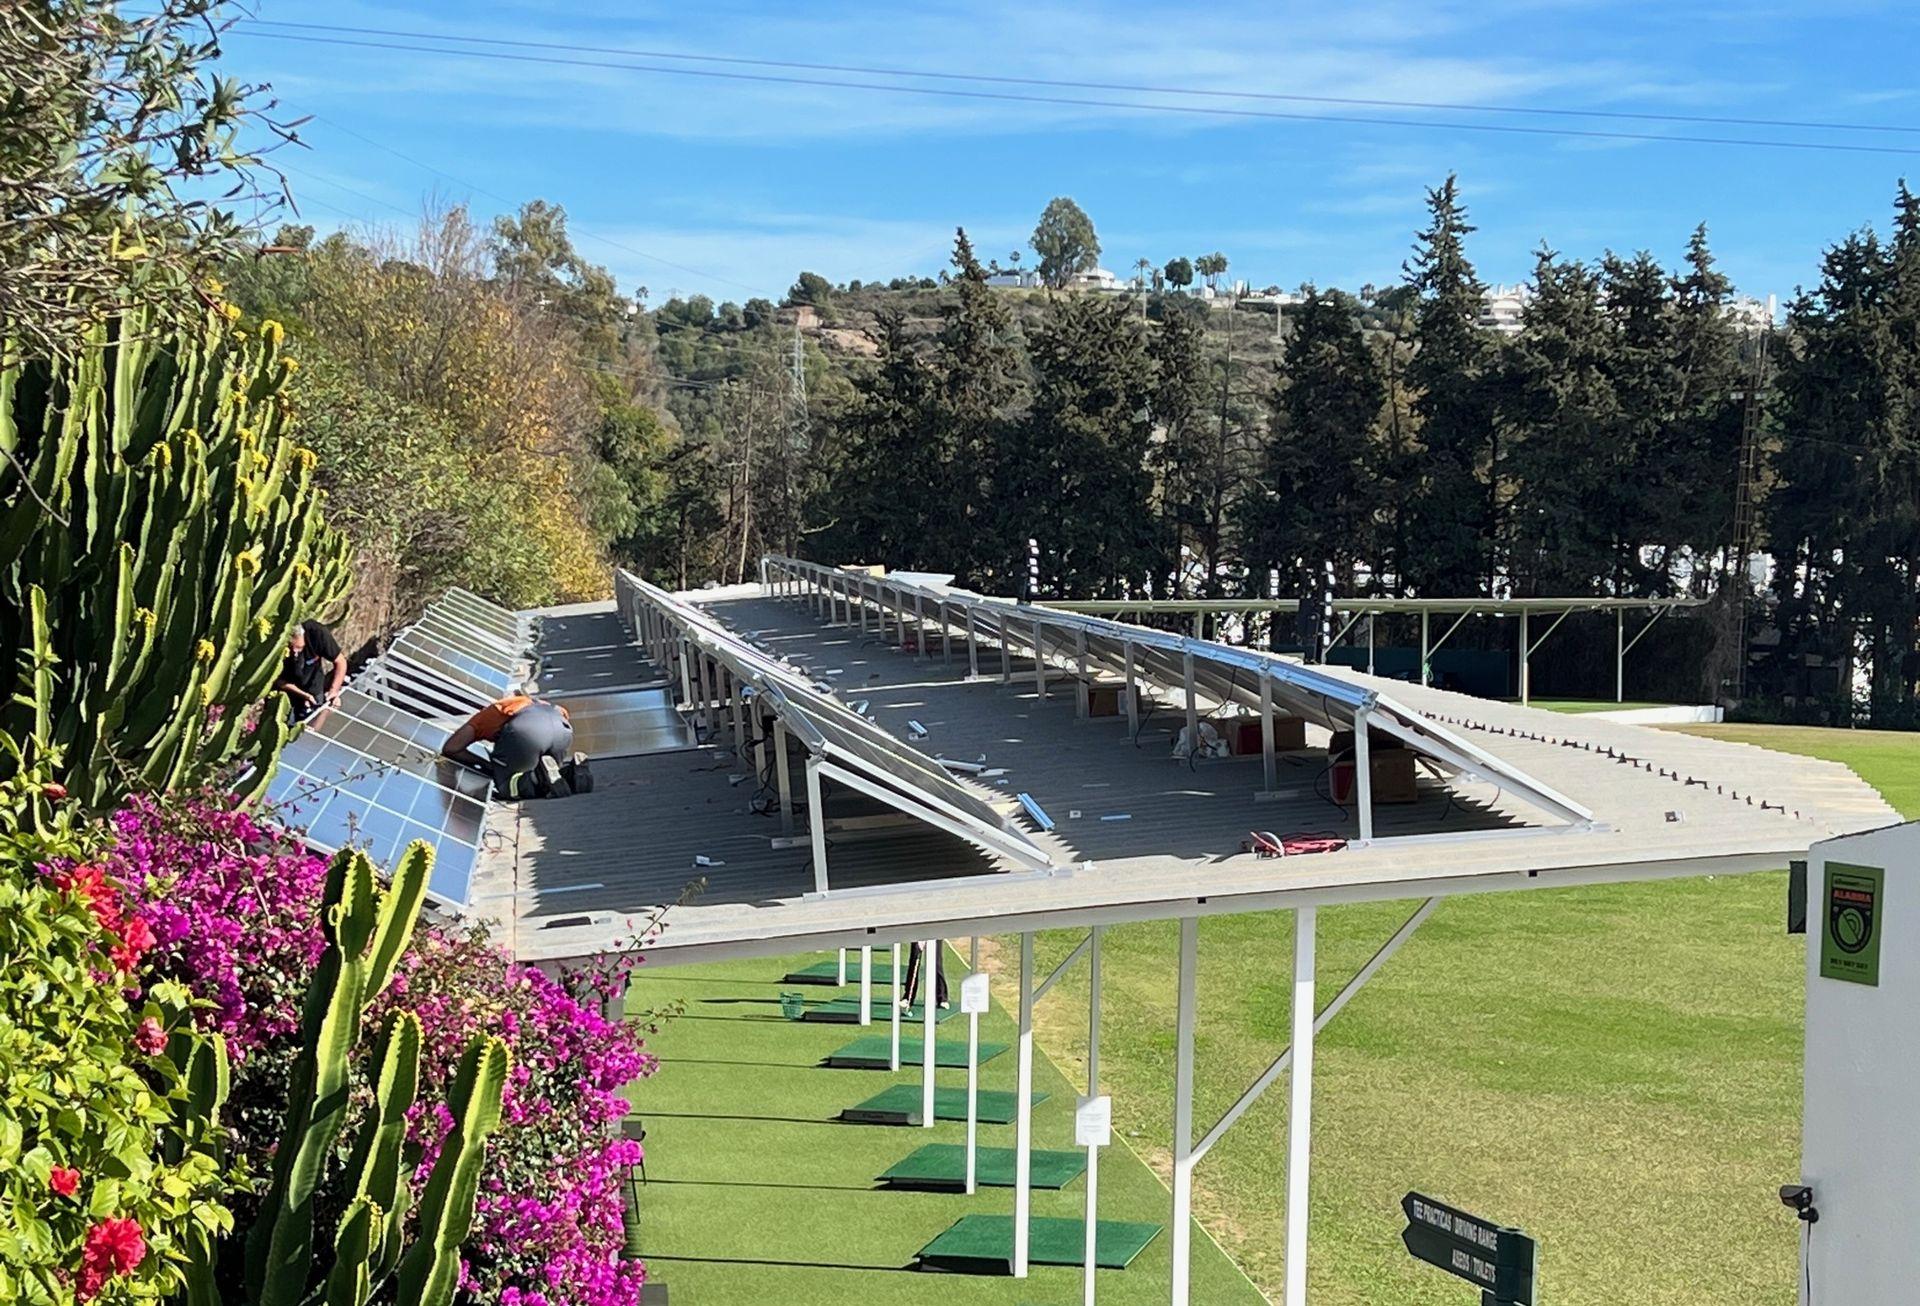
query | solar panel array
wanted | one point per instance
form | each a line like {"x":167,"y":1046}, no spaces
{"x":904,"y":777}
{"x":368,"y":772}
{"x":1223,"y":673}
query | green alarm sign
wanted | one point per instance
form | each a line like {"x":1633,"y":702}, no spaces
{"x":1851,"y":923}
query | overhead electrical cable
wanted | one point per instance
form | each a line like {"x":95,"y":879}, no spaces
{"x":623,"y":61}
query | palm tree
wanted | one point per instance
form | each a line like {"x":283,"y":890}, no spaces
{"x":1141,"y":268}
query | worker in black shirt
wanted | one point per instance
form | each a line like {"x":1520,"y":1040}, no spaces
{"x":314,"y":671}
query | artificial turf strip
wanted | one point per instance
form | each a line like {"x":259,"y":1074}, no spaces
{"x":899,"y":1104}
{"x":828,"y":972}
{"x":943,"y":1166}
{"x":983,"y":1244}
{"x":846,"y":1011}
{"x":875,"y":1052}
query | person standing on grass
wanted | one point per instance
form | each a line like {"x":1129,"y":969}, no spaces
{"x":914,"y":968}
{"x":314,"y":671}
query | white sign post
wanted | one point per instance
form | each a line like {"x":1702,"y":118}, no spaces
{"x":1093,"y":1130}
{"x":841,"y":976}
{"x":929,"y":960}
{"x":894,"y":1008}
{"x":866,"y":984}
{"x":973,"y":1001}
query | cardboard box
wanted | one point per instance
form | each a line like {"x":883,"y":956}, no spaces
{"x":1394,"y":778}
{"x":1243,"y":734}
{"x":1106,"y":700}
{"x":1378,"y":742}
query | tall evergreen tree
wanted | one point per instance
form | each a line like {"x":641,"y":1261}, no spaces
{"x":1560,"y":419}
{"x":1200,"y":459}
{"x":1315,"y":501}
{"x":1453,"y":512}
{"x":976,"y":365}
{"x":893,"y":502}
{"x":1074,"y":475}
{"x":1713,"y":365}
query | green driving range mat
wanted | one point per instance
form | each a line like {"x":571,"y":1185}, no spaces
{"x":828,"y":972}
{"x":846,"y":1011}
{"x":900,"y":1105}
{"x":875,"y":1052}
{"x":944,"y":1166}
{"x":983,"y":1244}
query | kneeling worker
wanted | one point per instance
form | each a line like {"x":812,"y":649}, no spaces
{"x":529,"y":738}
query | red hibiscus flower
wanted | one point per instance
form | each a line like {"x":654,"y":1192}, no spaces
{"x":64,"y":1180}
{"x":113,"y":1247}
{"x":151,"y":1037}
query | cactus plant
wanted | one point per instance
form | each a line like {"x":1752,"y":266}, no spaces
{"x":367,"y":931}
{"x":161,"y":533}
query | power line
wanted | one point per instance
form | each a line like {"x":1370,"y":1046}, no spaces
{"x":1216,"y":111}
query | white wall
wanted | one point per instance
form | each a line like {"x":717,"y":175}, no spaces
{"x":1860,"y":1150}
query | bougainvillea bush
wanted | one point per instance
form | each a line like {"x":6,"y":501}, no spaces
{"x":233,"y":904}
{"x":110,"y":1175}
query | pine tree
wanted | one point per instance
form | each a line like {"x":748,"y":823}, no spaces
{"x":893,"y":501}
{"x":1453,"y":512}
{"x":1561,"y":421}
{"x":977,"y":368}
{"x":1074,"y":475}
{"x":1199,"y":458}
{"x":1316,"y":499}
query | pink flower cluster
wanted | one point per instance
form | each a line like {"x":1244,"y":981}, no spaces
{"x":234,"y":907}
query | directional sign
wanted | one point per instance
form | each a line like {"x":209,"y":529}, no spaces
{"x":1493,"y":1257}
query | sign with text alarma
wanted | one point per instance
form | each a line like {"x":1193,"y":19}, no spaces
{"x":1850,"y":923}
{"x":1494,"y":1258}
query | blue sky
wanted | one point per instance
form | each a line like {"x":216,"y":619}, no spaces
{"x":742,"y":183}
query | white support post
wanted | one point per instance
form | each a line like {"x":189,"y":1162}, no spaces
{"x":784,"y":781}
{"x":1006,"y":653}
{"x":1269,"y":765}
{"x":946,"y":636}
{"x":1082,"y":695}
{"x":1526,"y":656}
{"x":1133,"y":699}
{"x":973,"y":1099}
{"x":929,"y":958}
{"x":866,"y":984}
{"x":1092,"y":1222}
{"x":1092,"y":1218}
{"x":973,"y":647}
{"x":1182,"y":1220}
{"x":1620,"y":655}
{"x":1023,"y":1114}
{"x":919,"y":627}
{"x":1363,"y":772}
{"x":893,"y":1009}
{"x":1193,"y":701}
{"x":1370,"y":643}
{"x":817,"y":825}
{"x":736,"y":701}
{"x":1039,"y":660}
{"x":1300,"y":1108}
{"x":840,"y":977}
{"x":1426,"y":672}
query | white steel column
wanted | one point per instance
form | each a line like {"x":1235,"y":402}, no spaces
{"x":1425,"y":672}
{"x":1363,"y":771}
{"x":920,"y":626}
{"x":893,"y":1010}
{"x":1093,"y":1090}
{"x":817,"y":826}
{"x":840,"y":976}
{"x":1182,"y":1220}
{"x":1083,"y":694}
{"x":1370,"y":643}
{"x":1133,"y":699}
{"x":1039,"y":659}
{"x":1300,"y":1107}
{"x":1269,"y":766}
{"x":973,"y":647}
{"x":866,"y":984}
{"x":1620,"y":655}
{"x":1526,"y":656}
{"x":784,"y":781}
{"x":929,"y":952}
{"x":1193,"y":703}
{"x":1023,"y":1114}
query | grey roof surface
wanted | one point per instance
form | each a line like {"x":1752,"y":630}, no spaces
{"x":566,"y":877}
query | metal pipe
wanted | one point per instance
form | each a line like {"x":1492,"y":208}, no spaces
{"x":1182,"y":1219}
{"x":1023,"y":1114}
{"x":1300,"y":1108}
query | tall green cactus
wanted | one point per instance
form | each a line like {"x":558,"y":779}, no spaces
{"x":367,"y":932}
{"x":160,"y":533}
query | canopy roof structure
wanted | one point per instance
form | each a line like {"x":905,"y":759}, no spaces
{"x":954,"y":775}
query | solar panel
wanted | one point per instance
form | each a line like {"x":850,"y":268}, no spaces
{"x":504,"y":622}
{"x":369,"y":774}
{"x":454,"y":664}
{"x":874,"y":760}
{"x":449,"y":626}
{"x":393,"y":677}
{"x":1223,"y":673}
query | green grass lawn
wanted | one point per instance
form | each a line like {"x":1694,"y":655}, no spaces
{"x":1614,"y":1069}
{"x":758,"y":1196}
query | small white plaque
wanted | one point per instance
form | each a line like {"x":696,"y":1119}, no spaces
{"x":1093,"y":1122}
{"x":973,"y":994}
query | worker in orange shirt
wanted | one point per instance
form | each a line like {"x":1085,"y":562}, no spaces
{"x":529,"y":740}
